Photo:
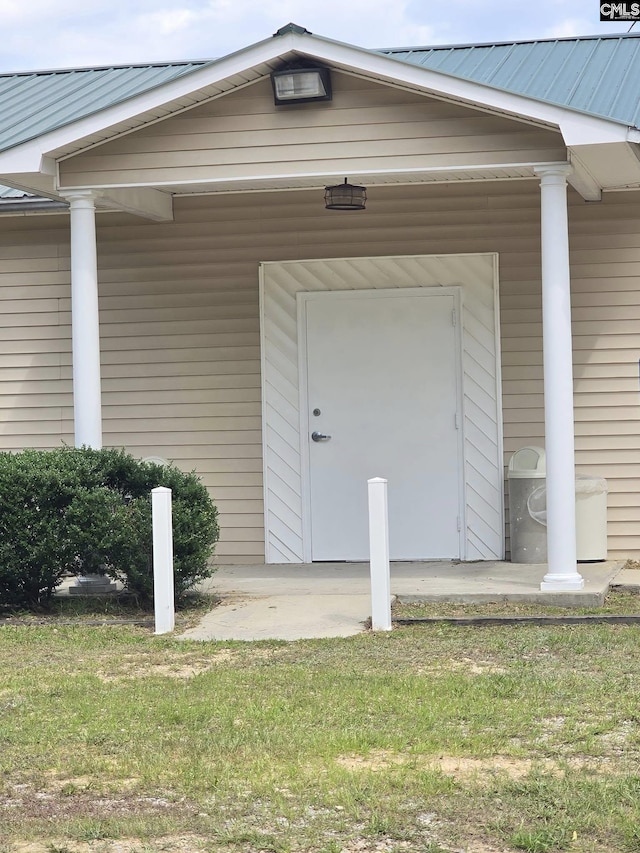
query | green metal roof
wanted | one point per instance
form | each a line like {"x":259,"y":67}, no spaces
{"x":35,"y":103}
{"x":12,"y":199}
{"x":9,"y":192}
{"x":599,"y":75}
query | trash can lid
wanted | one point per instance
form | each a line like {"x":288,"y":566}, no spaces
{"x":529,"y":462}
{"x":587,"y":485}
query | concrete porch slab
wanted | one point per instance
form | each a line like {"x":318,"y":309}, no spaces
{"x":437,"y":580}
{"x":628,"y":579}
{"x":296,"y":601}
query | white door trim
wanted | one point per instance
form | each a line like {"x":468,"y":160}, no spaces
{"x":476,"y":274}
{"x":302,"y":300}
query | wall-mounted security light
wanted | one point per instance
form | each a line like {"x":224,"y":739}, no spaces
{"x":300,"y":85}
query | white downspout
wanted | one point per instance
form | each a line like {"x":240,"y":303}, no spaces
{"x":562,"y":573}
{"x":85,"y":325}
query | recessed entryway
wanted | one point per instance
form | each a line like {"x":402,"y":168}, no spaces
{"x":472,"y":480}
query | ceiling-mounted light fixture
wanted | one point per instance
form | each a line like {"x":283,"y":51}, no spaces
{"x":299,"y":85}
{"x":345,"y":197}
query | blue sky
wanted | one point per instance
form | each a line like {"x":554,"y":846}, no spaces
{"x":69,"y":33}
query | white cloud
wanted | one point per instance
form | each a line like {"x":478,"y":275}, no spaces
{"x":64,"y":33}
{"x":16,"y":13}
{"x":170,"y":21}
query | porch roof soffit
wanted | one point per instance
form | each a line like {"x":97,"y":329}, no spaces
{"x":594,"y":143}
{"x":141,"y":201}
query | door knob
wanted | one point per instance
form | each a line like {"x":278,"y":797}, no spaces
{"x":320,"y":436}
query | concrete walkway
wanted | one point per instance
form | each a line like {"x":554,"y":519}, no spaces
{"x":291,"y":602}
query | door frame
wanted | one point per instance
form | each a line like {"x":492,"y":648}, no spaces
{"x":303,"y":298}
{"x":476,"y":274}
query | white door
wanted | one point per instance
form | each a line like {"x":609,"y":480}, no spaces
{"x":383,"y":387}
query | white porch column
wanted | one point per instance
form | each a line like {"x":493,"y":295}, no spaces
{"x":85,"y":329}
{"x":558,"y":383}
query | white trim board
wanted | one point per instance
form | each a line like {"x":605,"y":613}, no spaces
{"x":286,"y":530}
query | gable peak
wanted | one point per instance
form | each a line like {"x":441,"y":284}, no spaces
{"x":292,"y":28}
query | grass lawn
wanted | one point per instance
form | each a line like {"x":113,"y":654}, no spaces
{"x":429,"y":738}
{"x":617,"y":603}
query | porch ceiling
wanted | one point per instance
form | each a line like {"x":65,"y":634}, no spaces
{"x":369,"y":179}
{"x":319,"y":181}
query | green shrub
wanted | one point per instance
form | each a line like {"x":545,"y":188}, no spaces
{"x":34,"y":552}
{"x":89,"y":511}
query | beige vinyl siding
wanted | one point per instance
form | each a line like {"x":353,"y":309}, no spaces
{"x":181,"y":364}
{"x":35,"y":386}
{"x":180,"y":341}
{"x":365,"y":127}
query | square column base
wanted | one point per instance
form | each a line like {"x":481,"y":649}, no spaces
{"x":563,"y":584}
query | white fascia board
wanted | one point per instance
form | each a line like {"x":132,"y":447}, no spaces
{"x":577,"y":128}
{"x":594,"y":131}
{"x":14,"y":162}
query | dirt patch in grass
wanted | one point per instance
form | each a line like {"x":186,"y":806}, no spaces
{"x":617,"y":739}
{"x":162,"y":670}
{"x":478,"y":770}
{"x":131,"y":667}
{"x":196,"y":843}
{"x":468,"y":666}
{"x":167,"y":844}
{"x":460,"y":768}
{"x":378,"y":759}
{"x":363,"y":845}
{"x":43,"y":805}
{"x":67,"y":785}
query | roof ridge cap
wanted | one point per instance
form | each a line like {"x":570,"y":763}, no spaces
{"x":292,"y":28}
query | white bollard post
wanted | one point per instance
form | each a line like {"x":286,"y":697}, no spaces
{"x":379,"y":555}
{"x":162,"y":560}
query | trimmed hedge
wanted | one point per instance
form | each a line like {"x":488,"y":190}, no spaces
{"x":85,"y":511}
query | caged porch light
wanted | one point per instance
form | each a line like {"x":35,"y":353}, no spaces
{"x":345,"y":196}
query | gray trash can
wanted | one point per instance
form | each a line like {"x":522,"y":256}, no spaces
{"x":528,"y":510}
{"x":528,"y":505}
